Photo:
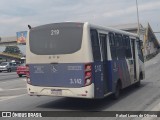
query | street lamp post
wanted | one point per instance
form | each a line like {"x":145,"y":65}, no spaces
{"x":138,"y":19}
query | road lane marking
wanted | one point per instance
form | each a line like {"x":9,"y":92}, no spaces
{"x":12,"y":89}
{"x":1,"y":89}
{"x":3,"y":82}
{"x":155,"y":108}
{"x":155,"y":63}
{"x":11,"y":81}
{"x":12,"y":97}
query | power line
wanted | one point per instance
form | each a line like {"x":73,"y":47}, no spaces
{"x":138,"y":18}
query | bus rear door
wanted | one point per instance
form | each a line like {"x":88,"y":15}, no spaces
{"x":103,"y":44}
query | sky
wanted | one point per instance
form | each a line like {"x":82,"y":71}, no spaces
{"x":15,"y":15}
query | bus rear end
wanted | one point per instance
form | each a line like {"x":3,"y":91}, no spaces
{"x":58,"y":58}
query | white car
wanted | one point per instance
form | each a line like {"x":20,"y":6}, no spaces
{"x":7,"y":66}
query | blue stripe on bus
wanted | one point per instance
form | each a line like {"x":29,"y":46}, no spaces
{"x":120,"y":71}
{"x":110,"y":76}
{"x":57,"y":75}
{"x":72,"y":75}
{"x":98,"y":81}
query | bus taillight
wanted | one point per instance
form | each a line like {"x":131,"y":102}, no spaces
{"x":88,"y":74}
{"x":28,"y":74}
{"x":88,"y":67}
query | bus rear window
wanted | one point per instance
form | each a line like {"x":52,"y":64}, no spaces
{"x":58,"y":38}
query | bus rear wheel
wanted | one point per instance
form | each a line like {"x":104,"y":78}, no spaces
{"x":138,"y":84}
{"x":117,"y":91}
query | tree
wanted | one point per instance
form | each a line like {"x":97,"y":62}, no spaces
{"x":12,"y":50}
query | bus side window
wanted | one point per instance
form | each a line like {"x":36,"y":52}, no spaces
{"x":128,"y":48}
{"x":95,"y":45}
{"x":117,"y":40}
{"x":124,"y":41}
{"x":120,"y":48}
{"x":111,"y":39}
{"x":112,"y":46}
{"x":140,"y":53}
{"x":103,"y":42}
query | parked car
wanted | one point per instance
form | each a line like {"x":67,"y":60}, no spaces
{"x":8,"y":66}
{"x":21,"y":70}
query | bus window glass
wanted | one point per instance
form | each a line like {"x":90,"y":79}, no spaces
{"x":120,"y":48}
{"x":103,"y":41}
{"x":117,"y":40}
{"x":111,"y":39}
{"x":112,"y":45}
{"x":128,"y":48}
{"x":140,"y":53}
{"x":95,"y":45}
{"x":53,"y":39}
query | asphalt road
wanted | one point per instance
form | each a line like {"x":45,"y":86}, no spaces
{"x":13,"y":96}
{"x":5,"y":76}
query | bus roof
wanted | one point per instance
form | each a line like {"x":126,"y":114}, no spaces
{"x":111,"y":29}
{"x":95,"y":26}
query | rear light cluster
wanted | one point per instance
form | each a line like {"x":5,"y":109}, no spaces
{"x":28,"y":74}
{"x":88,"y":74}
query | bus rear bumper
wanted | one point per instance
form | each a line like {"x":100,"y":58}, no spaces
{"x":83,"y":92}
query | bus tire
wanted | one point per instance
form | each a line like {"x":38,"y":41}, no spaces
{"x":138,"y":84}
{"x":117,"y":91}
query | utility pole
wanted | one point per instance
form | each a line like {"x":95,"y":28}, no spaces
{"x":138,"y":32}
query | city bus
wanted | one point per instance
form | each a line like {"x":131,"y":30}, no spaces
{"x":82,"y":60}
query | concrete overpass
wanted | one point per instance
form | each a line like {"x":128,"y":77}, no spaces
{"x":7,"y":41}
{"x":10,"y":41}
{"x":8,"y":57}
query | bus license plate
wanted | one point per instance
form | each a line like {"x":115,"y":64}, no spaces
{"x":56,"y":92}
